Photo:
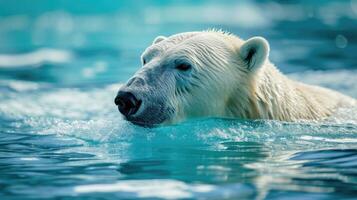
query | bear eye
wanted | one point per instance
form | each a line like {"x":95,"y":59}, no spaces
{"x":183,"y":67}
{"x":144,"y":61}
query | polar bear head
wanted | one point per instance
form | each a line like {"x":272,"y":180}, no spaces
{"x":190,"y":75}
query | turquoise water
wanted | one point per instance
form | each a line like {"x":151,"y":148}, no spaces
{"x":61,"y":136}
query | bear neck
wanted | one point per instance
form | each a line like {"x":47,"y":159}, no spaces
{"x":271,"y":95}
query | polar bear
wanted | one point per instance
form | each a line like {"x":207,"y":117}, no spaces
{"x":217,"y":74}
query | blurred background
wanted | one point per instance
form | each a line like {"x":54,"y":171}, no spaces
{"x":99,"y":42}
{"x":60,"y":132}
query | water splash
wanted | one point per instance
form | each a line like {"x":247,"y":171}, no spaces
{"x":34,"y":58}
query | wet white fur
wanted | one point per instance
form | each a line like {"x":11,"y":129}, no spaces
{"x":230,"y":86}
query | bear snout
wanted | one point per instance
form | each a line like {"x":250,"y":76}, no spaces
{"x":136,"y":81}
{"x":127,"y":103}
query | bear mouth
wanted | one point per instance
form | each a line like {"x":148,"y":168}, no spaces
{"x":145,"y":122}
{"x":150,"y":117}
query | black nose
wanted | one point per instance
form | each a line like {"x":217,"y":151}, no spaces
{"x":127,"y":103}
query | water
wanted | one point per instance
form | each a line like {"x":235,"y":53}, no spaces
{"x":61,"y":137}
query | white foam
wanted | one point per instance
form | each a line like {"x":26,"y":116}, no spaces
{"x":246,"y":15}
{"x":21,"y":86}
{"x":62,"y":103}
{"x":336,"y":140}
{"x":165,"y":189}
{"x":34,"y":58}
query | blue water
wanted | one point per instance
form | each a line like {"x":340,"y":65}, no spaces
{"x":61,"y":136}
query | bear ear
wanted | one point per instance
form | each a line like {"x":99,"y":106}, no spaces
{"x":254,"y":52}
{"x":159,"y":39}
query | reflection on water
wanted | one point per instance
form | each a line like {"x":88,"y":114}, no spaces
{"x":199,"y":164}
{"x":62,"y":136}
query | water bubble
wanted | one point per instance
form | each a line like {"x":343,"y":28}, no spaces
{"x":354,"y":6}
{"x":98,"y":67}
{"x":341,"y":41}
{"x":88,"y":72}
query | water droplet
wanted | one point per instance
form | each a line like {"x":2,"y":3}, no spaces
{"x":354,"y":6}
{"x":341,"y":41}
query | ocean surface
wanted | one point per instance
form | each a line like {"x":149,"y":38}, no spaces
{"x":61,"y":136}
